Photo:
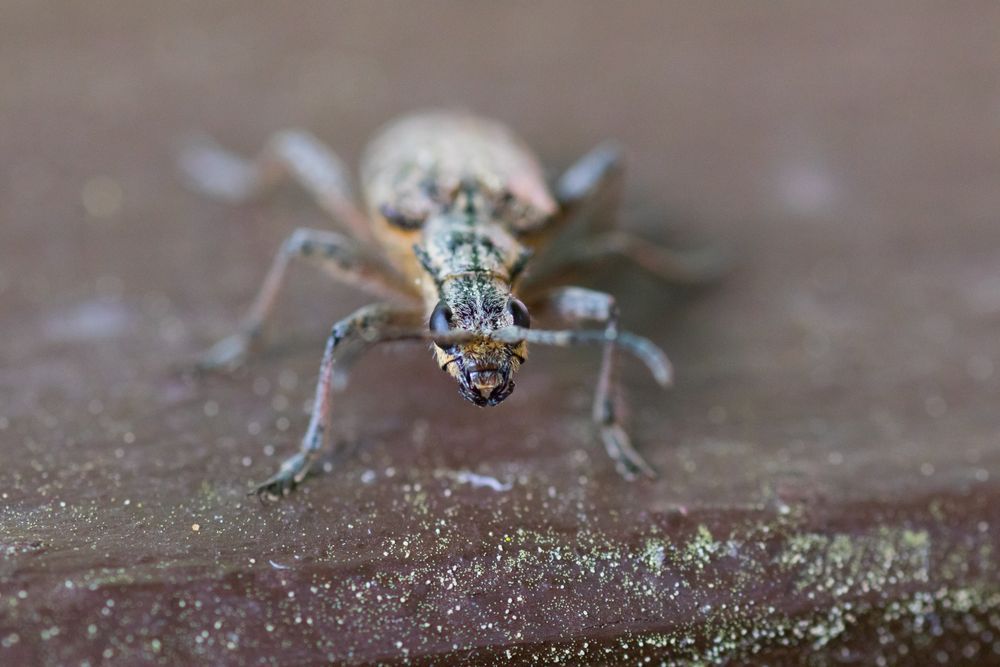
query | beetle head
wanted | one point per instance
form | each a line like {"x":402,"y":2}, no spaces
{"x":484,"y":369}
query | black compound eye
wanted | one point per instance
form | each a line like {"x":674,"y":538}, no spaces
{"x":440,"y":318}
{"x":520,"y":312}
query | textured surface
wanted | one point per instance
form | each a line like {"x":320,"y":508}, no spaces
{"x":830,"y":465}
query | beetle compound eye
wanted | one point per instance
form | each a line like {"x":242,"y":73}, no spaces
{"x":520,"y":312}
{"x":440,"y":318}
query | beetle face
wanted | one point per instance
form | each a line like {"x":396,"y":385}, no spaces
{"x":483,"y":368}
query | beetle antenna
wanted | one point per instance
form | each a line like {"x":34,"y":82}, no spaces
{"x":644,"y":349}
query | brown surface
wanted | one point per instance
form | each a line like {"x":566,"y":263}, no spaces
{"x":830,"y":462}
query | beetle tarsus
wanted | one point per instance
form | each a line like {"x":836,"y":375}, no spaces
{"x":628,"y":462}
{"x":283,"y":482}
{"x":226,"y":355}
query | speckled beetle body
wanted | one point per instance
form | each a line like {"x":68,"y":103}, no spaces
{"x":457,"y":206}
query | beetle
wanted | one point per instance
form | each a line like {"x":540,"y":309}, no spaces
{"x":457,"y":207}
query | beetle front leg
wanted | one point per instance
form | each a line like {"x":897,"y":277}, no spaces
{"x":333,"y":252}
{"x":366,"y":326}
{"x":296,"y":153}
{"x":576,"y":304}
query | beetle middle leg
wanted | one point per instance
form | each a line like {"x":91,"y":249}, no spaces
{"x":295,"y":153}
{"x":674,"y":266}
{"x":336,"y":254}
{"x":587,"y":194}
{"x":576,"y":304}
{"x":367,"y":326}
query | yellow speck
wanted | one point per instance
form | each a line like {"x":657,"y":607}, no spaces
{"x":195,"y":527}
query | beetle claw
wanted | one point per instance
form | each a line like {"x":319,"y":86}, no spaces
{"x":274,"y":488}
{"x":629,"y":462}
{"x":283,"y":482}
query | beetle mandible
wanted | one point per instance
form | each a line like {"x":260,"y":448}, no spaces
{"x":457,"y":205}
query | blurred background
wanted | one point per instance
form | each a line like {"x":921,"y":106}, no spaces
{"x":848,"y":155}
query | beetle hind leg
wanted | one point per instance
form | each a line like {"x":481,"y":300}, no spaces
{"x":216,"y":172}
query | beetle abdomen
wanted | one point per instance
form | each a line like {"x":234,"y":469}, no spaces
{"x":415,"y":167}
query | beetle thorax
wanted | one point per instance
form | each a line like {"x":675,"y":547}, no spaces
{"x":469,"y":255}
{"x":478,"y":301}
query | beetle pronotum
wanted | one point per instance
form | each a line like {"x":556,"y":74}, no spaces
{"x":457,"y":205}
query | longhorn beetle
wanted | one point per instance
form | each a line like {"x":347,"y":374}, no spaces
{"x":456,"y":207}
